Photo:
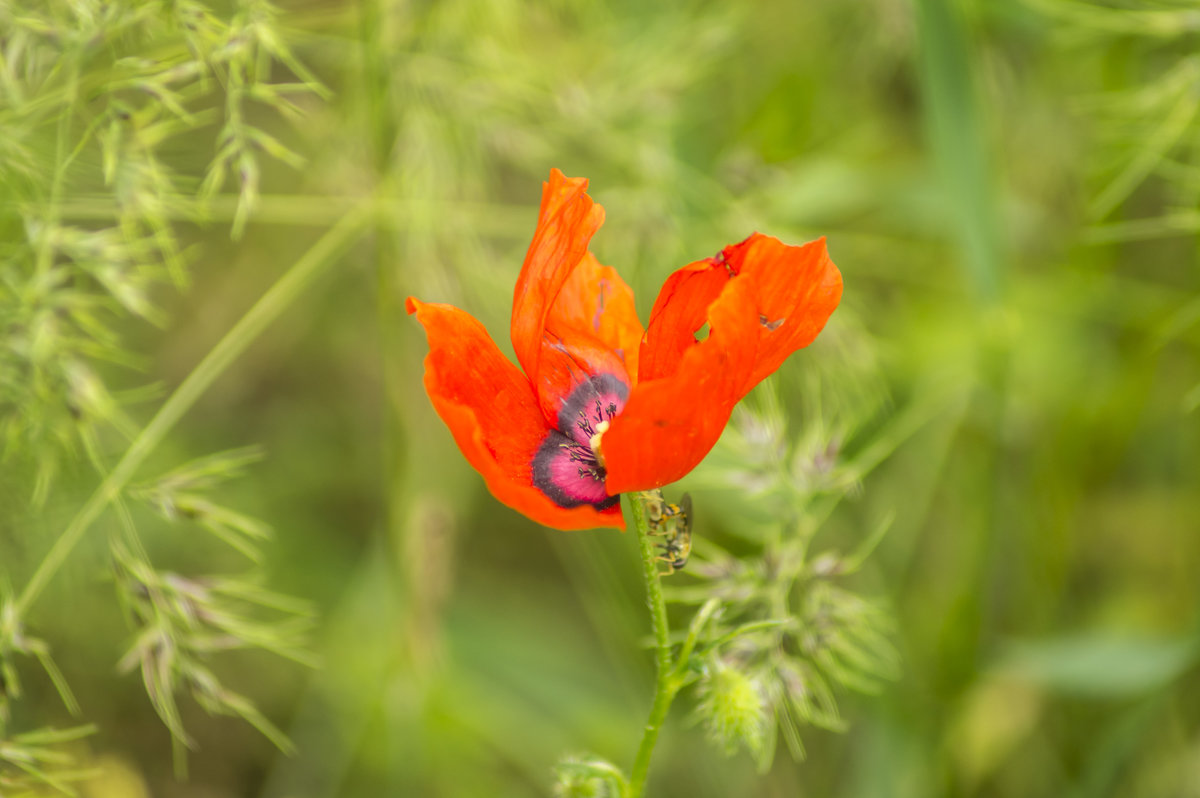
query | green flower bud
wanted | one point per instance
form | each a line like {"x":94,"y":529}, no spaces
{"x":733,"y":709}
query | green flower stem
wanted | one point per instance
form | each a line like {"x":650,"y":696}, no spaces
{"x":280,"y":296}
{"x":665,"y":685}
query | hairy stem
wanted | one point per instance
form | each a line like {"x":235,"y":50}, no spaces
{"x":228,"y":349}
{"x":665,"y":685}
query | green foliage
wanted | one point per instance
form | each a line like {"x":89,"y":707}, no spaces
{"x":588,"y":777}
{"x":95,"y":96}
{"x":32,"y":764}
{"x":96,"y":100}
{"x":179,"y":623}
{"x":776,"y":634}
{"x":182,"y":495}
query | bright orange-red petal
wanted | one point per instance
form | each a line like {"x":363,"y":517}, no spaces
{"x":763,"y":300}
{"x":670,"y":423}
{"x":566,"y":222}
{"x":591,"y":326}
{"x":596,"y":300}
{"x":569,"y":359}
{"x":493,"y":414}
{"x":796,"y":289}
{"x":680,"y":310}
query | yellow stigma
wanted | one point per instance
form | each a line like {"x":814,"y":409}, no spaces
{"x":594,"y":442}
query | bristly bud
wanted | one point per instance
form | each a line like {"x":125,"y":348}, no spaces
{"x":732,"y":708}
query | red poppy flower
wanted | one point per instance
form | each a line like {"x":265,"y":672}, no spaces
{"x":603,"y":406}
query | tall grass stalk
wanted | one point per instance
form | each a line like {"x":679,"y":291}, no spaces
{"x":323,"y":254}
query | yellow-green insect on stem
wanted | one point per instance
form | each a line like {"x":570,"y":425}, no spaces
{"x":672,"y":522}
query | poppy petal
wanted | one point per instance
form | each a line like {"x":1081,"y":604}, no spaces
{"x":680,"y":310}
{"x":795,"y":290}
{"x":596,"y":300}
{"x":566,"y":222}
{"x":571,"y":359}
{"x":670,"y":423}
{"x":493,"y":414}
{"x":762,"y":300}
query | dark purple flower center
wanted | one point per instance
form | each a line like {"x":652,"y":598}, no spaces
{"x":566,"y":467}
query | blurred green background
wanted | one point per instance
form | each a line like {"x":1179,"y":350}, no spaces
{"x":1010,"y":191}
